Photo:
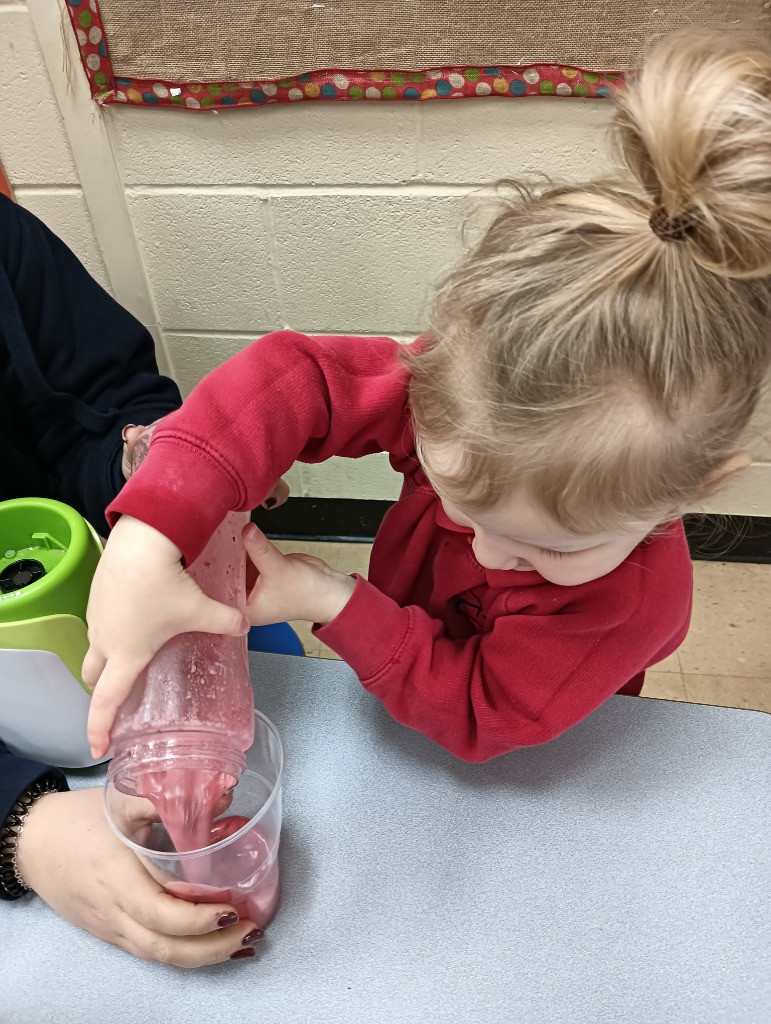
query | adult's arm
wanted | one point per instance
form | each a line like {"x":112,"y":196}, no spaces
{"x":17,"y":774}
{"x":80,"y":366}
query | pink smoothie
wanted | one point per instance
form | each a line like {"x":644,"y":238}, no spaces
{"x":255,"y":897}
{"x":242,"y":874}
{"x":187,"y":801}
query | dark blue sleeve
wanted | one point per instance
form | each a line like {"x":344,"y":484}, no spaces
{"x":16,"y":774}
{"x":94,"y":368}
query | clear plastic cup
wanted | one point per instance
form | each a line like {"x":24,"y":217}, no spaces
{"x":240,"y":863}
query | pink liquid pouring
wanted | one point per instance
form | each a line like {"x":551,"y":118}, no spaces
{"x":187,"y":801}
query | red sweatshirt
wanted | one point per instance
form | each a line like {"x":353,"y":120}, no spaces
{"x":482,"y":661}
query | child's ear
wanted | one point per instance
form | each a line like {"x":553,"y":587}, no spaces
{"x":721,"y":474}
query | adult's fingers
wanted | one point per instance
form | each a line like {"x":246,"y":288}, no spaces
{"x":131,"y":434}
{"x":191,"y":950}
{"x":169,"y":915}
{"x":277,"y":496}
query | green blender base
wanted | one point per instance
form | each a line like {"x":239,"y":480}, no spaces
{"x":48,"y":555}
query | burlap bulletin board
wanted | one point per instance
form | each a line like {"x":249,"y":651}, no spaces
{"x":199,"y":54}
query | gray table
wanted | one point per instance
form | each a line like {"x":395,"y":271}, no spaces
{"x":618,"y":874}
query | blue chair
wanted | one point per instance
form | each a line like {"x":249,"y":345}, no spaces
{"x":278,"y":638}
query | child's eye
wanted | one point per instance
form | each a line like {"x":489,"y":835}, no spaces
{"x":552,"y":554}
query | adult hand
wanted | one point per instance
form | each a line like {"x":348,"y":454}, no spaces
{"x":294,"y":586}
{"x":131,"y":434}
{"x":68,"y":854}
{"x":278,"y":495}
{"x":140,"y":598}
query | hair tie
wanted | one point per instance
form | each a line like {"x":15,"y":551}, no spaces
{"x":671,"y":229}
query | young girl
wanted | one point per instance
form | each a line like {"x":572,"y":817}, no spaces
{"x":588,"y":371}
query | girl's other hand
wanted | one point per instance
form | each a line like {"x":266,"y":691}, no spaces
{"x":68,"y":854}
{"x":140,"y":597}
{"x":293,"y":586}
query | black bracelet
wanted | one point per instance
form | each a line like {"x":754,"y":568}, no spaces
{"x":11,"y":883}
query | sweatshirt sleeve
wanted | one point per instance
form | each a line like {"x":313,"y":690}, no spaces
{"x":285,"y":397}
{"x":528,"y":679}
{"x":82,"y":367}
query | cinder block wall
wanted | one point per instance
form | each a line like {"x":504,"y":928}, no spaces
{"x":326,"y":218}
{"x":33,"y":143}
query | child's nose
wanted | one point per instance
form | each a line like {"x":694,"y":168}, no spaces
{"x":493,"y":555}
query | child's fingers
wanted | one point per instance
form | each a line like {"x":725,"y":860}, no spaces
{"x":93,"y":666}
{"x":112,"y":678}
{"x":263,"y":554}
{"x":111,"y":689}
{"x":210,"y":616}
{"x":251,"y":575}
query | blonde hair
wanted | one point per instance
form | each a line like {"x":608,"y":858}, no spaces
{"x":607,"y":367}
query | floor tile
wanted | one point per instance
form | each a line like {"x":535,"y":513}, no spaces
{"x":664,"y":686}
{"x":729,"y":633}
{"x":327,"y":653}
{"x":729,"y":691}
{"x":670,"y":664}
{"x":328,"y":551}
{"x":307,"y":639}
{"x":354,"y":558}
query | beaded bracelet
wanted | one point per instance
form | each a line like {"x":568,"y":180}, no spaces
{"x":11,"y":883}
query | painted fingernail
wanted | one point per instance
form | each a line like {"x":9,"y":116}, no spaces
{"x":242,"y":954}
{"x":269,"y":502}
{"x":225,"y":920}
{"x":253,"y":936}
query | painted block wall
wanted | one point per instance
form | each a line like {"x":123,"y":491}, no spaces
{"x":328,"y":218}
{"x":33,"y":143}
{"x":333,"y":219}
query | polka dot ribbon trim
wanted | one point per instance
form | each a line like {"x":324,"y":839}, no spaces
{"x":433,"y":84}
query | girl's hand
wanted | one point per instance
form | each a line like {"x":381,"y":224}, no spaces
{"x":292,"y":586}
{"x":140,"y":598}
{"x":68,"y":854}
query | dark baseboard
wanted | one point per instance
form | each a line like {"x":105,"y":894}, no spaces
{"x":714,"y":538}
{"x":342,"y":519}
{"x":710,"y":538}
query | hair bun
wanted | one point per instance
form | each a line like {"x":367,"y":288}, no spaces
{"x":694,"y":129}
{"x":672,"y":229}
